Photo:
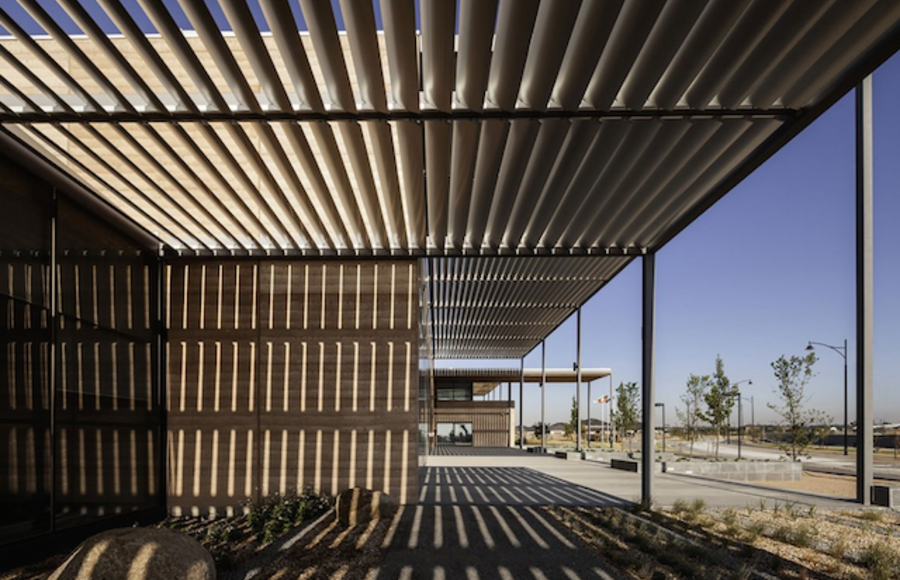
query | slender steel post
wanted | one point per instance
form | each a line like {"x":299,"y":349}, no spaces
{"x":590,"y":402}
{"x":543,"y":396}
{"x":521,"y":403}
{"x":647,"y":379}
{"x":54,"y":352}
{"x":663,"y":407}
{"x":752,"y":414}
{"x":740,"y":419}
{"x":509,"y":401}
{"x":578,"y":384}
{"x":612,"y":435}
{"x":845,"y":396}
{"x":864,"y":291}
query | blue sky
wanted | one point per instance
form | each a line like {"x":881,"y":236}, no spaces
{"x":768,"y":268}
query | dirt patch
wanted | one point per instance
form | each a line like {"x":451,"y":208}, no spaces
{"x":829,"y":484}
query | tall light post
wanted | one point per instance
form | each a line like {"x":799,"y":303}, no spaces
{"x":749,"y":382}
{"x":752,"y":413}
{"x":843,"y":352}
{"x":663,"y":405}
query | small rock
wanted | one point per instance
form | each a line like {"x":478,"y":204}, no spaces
{"x":138,"y":554}
{"x":357,"y":506}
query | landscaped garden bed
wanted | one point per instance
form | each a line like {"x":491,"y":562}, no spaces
{"x":236,"y":543}
{"x":765,"y":541}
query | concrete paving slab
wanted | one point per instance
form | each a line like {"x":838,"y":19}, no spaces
{"x":621,"y":486}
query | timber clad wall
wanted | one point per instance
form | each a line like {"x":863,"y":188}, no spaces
{"x":290,"y":374}
{"x":79,"y":389}
{"x":491,"y":421}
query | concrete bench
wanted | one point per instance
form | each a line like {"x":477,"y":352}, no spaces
{"x":624,"y":464}
{"x":886,"y":495}
{"x":569,"y":455}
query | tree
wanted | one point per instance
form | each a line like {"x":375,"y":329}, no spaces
{"x":802,"y":426}
{"x":693,"y":399}
{"x":538,"y":427}
{"x":624,"y":416}
{"x":719,"y":399}
{"x":572,"y":425}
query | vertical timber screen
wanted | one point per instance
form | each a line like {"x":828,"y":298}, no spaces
{"x":290,"y":374}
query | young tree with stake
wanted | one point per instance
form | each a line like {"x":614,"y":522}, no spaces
{"x":802,"y":426}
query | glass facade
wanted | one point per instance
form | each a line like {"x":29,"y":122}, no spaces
{"x":79,"y":387}
{"x":454,"y":391}
{"x":454,"y":434}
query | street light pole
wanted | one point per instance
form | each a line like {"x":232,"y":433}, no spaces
{"x":663,"y":405}
{"x":843,"y":352}
{"x":738,"y":395}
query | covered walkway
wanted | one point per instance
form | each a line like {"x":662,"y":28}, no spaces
{"x":480,"y":515}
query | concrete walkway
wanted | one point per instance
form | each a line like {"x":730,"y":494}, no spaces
{"x":480,"y":515}
{"x":487,"y":522}
{"x":598,"y":484}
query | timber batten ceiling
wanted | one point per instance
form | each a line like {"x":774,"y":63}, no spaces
{"x":432,"y":128}
{"x":502,"y":307}
{"x":485,"y":128}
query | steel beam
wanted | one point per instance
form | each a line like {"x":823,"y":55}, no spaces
{"x":864,"y":291}
{"x":224,"y":114}
{"x":648,"y":394}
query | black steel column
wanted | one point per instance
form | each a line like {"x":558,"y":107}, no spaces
{"x":846,"y":395}
{"x":521,"y":403}
{"x":543,"y":395}
{"x":509,"y":403}
{"x":609,"y":414}
{"x":578,"y":385}
{"x":647,"y":383}
{"x":54,"y":352}
{"x":590,"y":402}
{"x":864,"y":291}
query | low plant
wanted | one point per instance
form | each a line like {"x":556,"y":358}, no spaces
{"x":695,"y":509}
{"x":730,"y":518}
{"x":753,"y":531}
{"x":838,"y":548}
{"x":791,"y":510}
{"x":881,"y":560}
{"x":278,"y":513}
{"x":801,"y":535}
{"x":871,"y":516}
{"x":680,"y":506}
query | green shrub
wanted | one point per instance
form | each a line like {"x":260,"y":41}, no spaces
{"x":838,"y":548}
{"x":680,"y":506}
{"x":753,"y":531}
{"x":881,"y":560}
{"x":801,"y":535}
{"x":871,"y":515}
{"x":277,"y":514}
{"x":730,"y":519}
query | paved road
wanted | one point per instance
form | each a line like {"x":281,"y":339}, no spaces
{"x":885,"y":468}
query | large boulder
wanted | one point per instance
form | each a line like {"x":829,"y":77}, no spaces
{"x":358,"y":506}
{"x":138,"y":554}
